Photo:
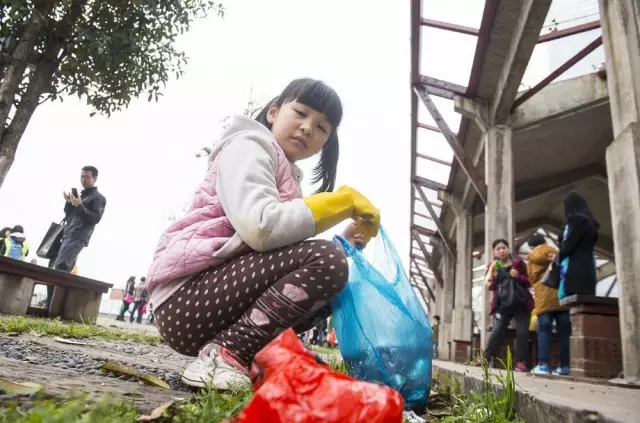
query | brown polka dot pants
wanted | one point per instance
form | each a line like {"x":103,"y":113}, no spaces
{"x":246,"y":302}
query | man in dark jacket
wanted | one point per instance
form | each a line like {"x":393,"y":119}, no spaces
{"x":83,"y":213}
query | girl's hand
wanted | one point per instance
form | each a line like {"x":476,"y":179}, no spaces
{"x":356,"y":239}
{"x":514,"y":273}
{"x":487,"y":284}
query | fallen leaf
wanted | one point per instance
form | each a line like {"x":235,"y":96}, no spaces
{"x":34,"y":333}
{"x":9,"y":387}
{"x":157,"y":413}
{"x":117,"y":368}
{"x":69,"y":341}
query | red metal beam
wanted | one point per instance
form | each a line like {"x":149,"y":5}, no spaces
{"x":449,"y":27}
{"x":428,"y":127}
{"x":484,"y":36}
{"x":433,"y":159}
{"x":428,"y":258}
{"x":414,"y":78}
{"x":426,"y":239}
{"x":424,"y":216}
{"x":425,"y":282}
{"x":436,"y":219}
{"x":578,"y":29}
{"x":458,"y":151}
{"x":438,"y":205}
{"x":423,"y":231}
{"x":555,"y":35}
{"x":419,"y":260}
{"x":443,"y":85}
{"x":421,"y":264}
{"x":428,"y":183}
{"x":556,"y":73}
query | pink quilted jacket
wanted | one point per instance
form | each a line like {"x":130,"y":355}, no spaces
{"x":189,"y":245}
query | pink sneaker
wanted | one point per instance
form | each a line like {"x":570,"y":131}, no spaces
{"x":521,"y":367}
{"x":219,"y":366}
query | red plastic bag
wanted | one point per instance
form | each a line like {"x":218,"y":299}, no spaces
{"x":291,"y":386}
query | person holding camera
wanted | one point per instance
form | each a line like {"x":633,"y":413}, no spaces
{"x":83,"y":212}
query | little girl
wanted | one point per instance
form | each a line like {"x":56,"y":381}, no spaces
{"x":238,"y":269}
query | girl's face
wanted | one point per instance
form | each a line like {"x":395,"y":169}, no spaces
{"x":300,"y":130}
{"x":501,"y":252}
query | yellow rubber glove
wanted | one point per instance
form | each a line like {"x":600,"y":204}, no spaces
{"x":331,"y":208}
{"x":366,"y":214}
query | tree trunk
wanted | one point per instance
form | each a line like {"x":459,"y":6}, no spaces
{"x":39,"y":82}
{"x":15,"y":71}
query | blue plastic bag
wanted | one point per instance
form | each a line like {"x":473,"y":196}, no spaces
{"x":383,"y":332}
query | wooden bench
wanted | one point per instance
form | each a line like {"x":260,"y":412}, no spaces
{"x":595,"y":339}
{"x":74,"y":297}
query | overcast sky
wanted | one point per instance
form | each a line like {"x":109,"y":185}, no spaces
{"x":146,"y":154}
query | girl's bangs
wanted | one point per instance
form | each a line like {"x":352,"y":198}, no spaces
{"x":317,"y":95}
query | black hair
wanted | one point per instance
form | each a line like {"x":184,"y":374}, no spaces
{"x":535,"y":240}
{"x":143,"y":279}
{"x":131,"y":279}
{"x":499,"y":241}
{"x":18,"y":229}
{"x":324,"y":99}
{"x":575,"y":204}
{"x":92,"y":169}
{"x":4,"y":231}
{"x":436,"y":317}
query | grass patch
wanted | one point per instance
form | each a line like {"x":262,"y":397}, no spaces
{"x":208,"y":406}
{"x":488,"y":405}
{"x":74,"y":410}
{"x":325,"y":350}
{"x":56,"y":327}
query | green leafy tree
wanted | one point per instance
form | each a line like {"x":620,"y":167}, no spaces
{"x":105,"y":51}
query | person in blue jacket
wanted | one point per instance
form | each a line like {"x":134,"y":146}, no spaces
{"x":15,"y":245}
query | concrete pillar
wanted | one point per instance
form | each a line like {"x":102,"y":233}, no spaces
{"x":462,"y":311}
{"x":445,"y":306}
{"x":499,"y":221}
{"x":620,"y":21}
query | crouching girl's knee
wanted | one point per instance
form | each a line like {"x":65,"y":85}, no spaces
{"x":332,"y":265}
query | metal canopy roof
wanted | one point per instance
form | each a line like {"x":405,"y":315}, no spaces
{"x":441,"y":140}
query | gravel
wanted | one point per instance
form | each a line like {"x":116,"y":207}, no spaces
{"x":36,"y":353}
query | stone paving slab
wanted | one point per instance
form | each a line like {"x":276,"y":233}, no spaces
{"x":158,"y":356}
{"x":65,"y":383}
{"x":544,"y":400}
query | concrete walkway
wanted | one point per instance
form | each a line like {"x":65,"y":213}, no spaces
{"x":110,"y":322}
{"x":551,"y":400}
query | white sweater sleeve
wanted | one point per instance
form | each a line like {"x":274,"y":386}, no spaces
{"x":246,"y":187}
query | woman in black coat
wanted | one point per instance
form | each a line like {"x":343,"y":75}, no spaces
{"x":577,"y":244}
